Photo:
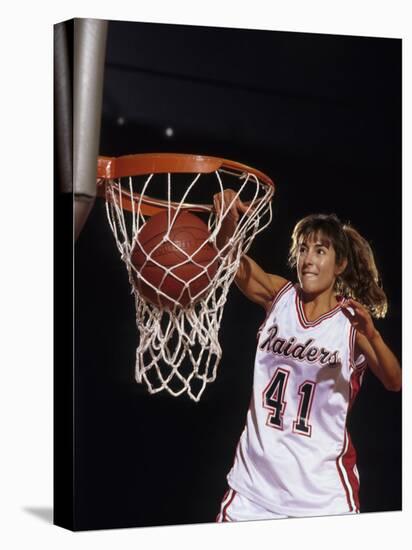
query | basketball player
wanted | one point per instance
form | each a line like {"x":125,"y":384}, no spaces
{"x":295,"y":456}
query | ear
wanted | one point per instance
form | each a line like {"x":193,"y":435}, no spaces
{"x":340,"y":268}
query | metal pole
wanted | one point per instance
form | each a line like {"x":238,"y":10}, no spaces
{"x":89,"y":57}
{"x":63,"y":112}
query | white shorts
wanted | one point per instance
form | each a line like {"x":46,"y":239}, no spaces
{"x":236,"y":507}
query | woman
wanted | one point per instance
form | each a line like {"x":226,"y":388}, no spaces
{"x":295,"y":456}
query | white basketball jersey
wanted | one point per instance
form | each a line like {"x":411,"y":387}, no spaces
{"x":295,"y":455}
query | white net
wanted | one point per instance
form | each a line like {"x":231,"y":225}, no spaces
{"x":178,"y":349}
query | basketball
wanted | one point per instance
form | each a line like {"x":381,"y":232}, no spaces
{"x":185,"y":251}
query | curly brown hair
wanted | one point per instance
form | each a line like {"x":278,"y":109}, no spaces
{"x":360,"y":280}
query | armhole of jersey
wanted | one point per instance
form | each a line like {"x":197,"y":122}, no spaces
{"x":356,"y":363}
{"x":281,"y":292}
{"x":361,"y":362}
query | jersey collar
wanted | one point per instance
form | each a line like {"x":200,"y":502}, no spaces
{"x":301,"y":312}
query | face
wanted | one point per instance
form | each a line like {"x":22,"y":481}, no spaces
{"x":316,"y":264}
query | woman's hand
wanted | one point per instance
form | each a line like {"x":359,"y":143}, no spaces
{"x":221,"y":206}
{"x":381,"y":360}
{"x":360,"y":319}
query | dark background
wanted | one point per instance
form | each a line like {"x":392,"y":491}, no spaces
{"x":321,"y":115}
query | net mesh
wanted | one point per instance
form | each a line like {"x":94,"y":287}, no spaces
{"x":178,"y":349}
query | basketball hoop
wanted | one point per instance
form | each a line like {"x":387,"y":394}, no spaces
{"x":178,"y":348}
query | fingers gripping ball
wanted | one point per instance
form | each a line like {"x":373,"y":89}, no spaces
{"x":179,"y":261}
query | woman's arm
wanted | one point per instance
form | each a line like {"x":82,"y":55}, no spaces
{"x":380,"y":358}
{"x":257,"y":285}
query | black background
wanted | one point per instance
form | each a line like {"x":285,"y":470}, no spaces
{"x":321,"y":115}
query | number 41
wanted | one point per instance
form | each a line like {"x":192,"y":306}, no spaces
{"x":273,"y":399}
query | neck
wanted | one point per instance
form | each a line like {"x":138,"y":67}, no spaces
{"x":316,"y":304}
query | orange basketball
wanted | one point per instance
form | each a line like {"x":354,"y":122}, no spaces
{"x":184,"y":251}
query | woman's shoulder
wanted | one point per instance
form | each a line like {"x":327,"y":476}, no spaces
{"x":278,"y":282}
{"x":280,"y":286}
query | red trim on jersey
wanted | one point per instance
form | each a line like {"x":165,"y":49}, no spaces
{"x":362,"y":366}
{"x":349,"y":463}
{"x":349,"y":460}
{"x":352,"y":350}
{"x":355,"y":382}
{"x":224,"y":517}
{"x":352,"y":341}
{"x":305,"y":323}
{"x":218,"y":520}
{"x":352,"y":346}
{"x":341,"y":475}
{"x":348,"y":457}
{"x":287,"y":286}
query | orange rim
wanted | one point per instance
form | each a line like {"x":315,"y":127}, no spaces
{"x":111,"y":168}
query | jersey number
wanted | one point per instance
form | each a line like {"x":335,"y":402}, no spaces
{"x":273,"y":399}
